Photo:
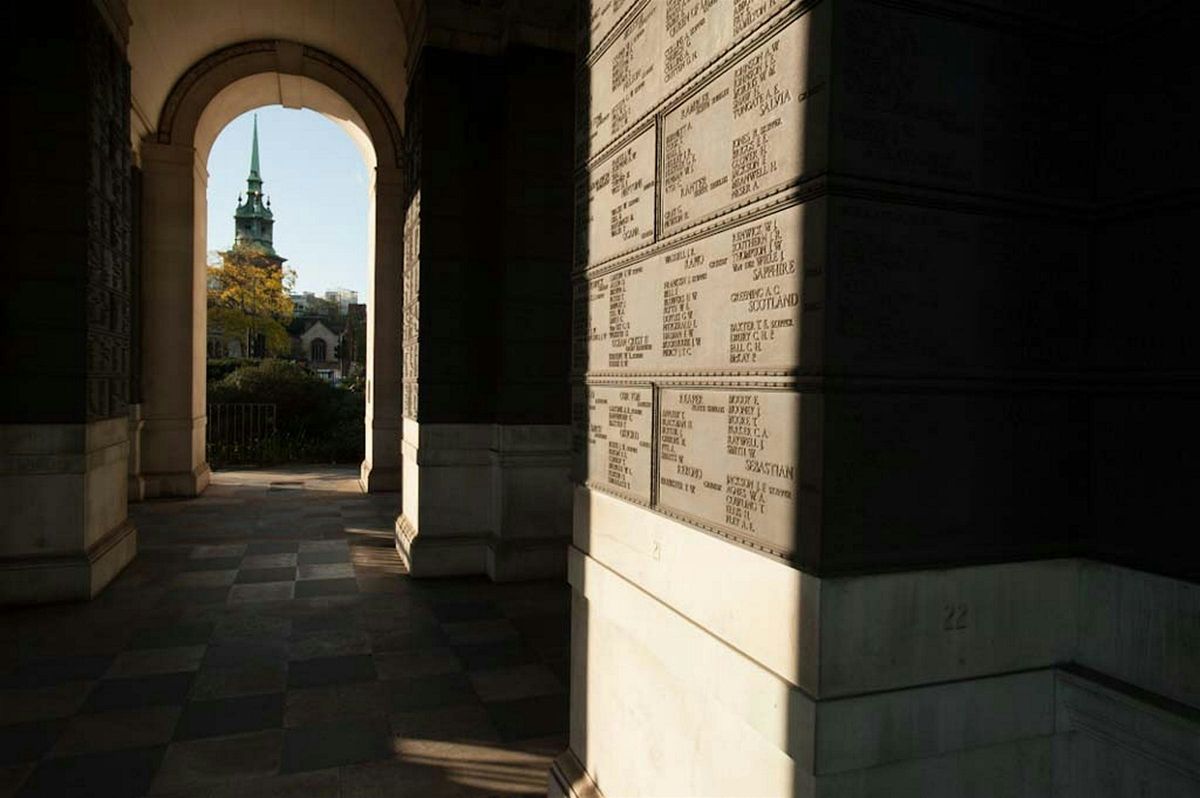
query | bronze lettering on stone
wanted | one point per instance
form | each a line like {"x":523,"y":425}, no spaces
{"x":742,"y":135}
{"x":728,"y":459}
{"x":619,"y":204}
{"x":730,"y":301}
{"x":618,"y":435}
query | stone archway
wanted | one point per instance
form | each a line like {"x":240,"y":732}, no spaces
{"x":168,"y":456}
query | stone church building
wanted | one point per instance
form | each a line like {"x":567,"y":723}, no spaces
{"x":838,"y":354}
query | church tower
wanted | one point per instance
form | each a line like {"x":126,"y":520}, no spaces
{"x":253,"y":222}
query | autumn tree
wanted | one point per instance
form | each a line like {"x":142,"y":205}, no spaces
{"x":248,"y":298}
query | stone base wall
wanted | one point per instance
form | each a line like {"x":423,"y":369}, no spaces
{"x":1063,"y":677}
{"x":64,"y":532}
{"x":485,"y":498}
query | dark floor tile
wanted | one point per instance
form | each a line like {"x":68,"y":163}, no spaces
{"x":250,"y":627}
{"x":325,"y":587}
{"x":255,"y":575}
{"x":407,"y":638}
{"x":11,"y":778}
{"x":429,"y":692}
{"x":161,"y":690}
{"x":331,"y":670}
{"x":249,"y":679}
{"x":230,"y":716}
{"x":273,"y":547}
{"x":121,"y":729}
{"x":179,"y":634}
{"x":462,"y":723}
{"x":42,"y":703}
{"x":209,"y":763}
{"x":319,"y":747}
{"x":211,"y":564}
{"x":237,"y":654}
{"x":46,"y":671}
{"x":486,"y":656}
{"x":527,"y":718}
{"x":322,"y":622}
{"x":314,"y":706}
{"x":465,"y":610}
{"x":324,"y":557}
{"x":328,"y":643}
{"x":115,"y":773}
{"x":189,"y":596}
{"x":26,"y":742}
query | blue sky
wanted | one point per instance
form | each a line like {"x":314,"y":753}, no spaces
{"x":317,"y":183}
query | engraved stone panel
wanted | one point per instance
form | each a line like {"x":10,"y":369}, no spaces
{"x":625,"y":82}
{"x":410,"y":319}
{"x":666,"y":44}
{"x":598,"y":23}
{"x":615,"y":208}
{"x":728,"y":458}
{"x":744,"y":134}
{"x":730,"y":301}
{"x":616,"y":428}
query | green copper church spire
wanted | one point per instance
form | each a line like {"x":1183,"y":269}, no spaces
{"x":254,"y":154}
{"x":253,"y":221}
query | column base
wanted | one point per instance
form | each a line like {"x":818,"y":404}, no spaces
{"x":449,"y":555}
{"x":568,"y":779}
{"x":376,"y":479}
{"x":184,"y":484}
{"x":73,"y":577}
{"x":527,"y":558}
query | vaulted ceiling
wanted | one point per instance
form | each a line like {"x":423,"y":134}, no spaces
{"x":167,"y":38}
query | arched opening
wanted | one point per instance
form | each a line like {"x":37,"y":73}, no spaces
{"x":169,"y":458}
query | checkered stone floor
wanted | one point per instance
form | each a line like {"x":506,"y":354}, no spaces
{"x":266,"y":642}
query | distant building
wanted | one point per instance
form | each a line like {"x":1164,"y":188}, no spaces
{"x":342,"y":297}
{"x":331,"y":345}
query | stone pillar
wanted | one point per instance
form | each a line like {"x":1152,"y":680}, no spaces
{"x":380,"y":470}
{"x":486,"y":309}
{"x":836,"y":412}
{"x":64,"y":530}
{"x":173,"y":321}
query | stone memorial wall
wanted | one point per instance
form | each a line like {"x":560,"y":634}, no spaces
{"x":698,"y":124}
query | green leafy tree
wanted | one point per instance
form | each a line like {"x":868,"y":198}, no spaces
{"x":248,"y":298}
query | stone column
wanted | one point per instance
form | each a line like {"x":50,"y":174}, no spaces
{"x":486,"y":438}
{"x":64,"y":530}
{"x":380,"y":470}
{"x":173,"y":321}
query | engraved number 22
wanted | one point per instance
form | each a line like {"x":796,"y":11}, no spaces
{"x":954,"y":617}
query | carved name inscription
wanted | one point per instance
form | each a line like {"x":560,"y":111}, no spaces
{"x":619,"y":438}
{"x":743,"y":134}
{"x":729,"y":459}
{"x":617,"y":213}
{"x":625,"y":82}
{"x":411,"y":314}
{"x":664,"y":46}
{"x":729,"y":301}
{"x":604,"y":14}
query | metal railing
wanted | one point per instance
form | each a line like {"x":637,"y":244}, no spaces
{"x":237,"y":432}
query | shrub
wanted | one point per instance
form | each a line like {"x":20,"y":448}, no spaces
{"x":314,"y":421}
